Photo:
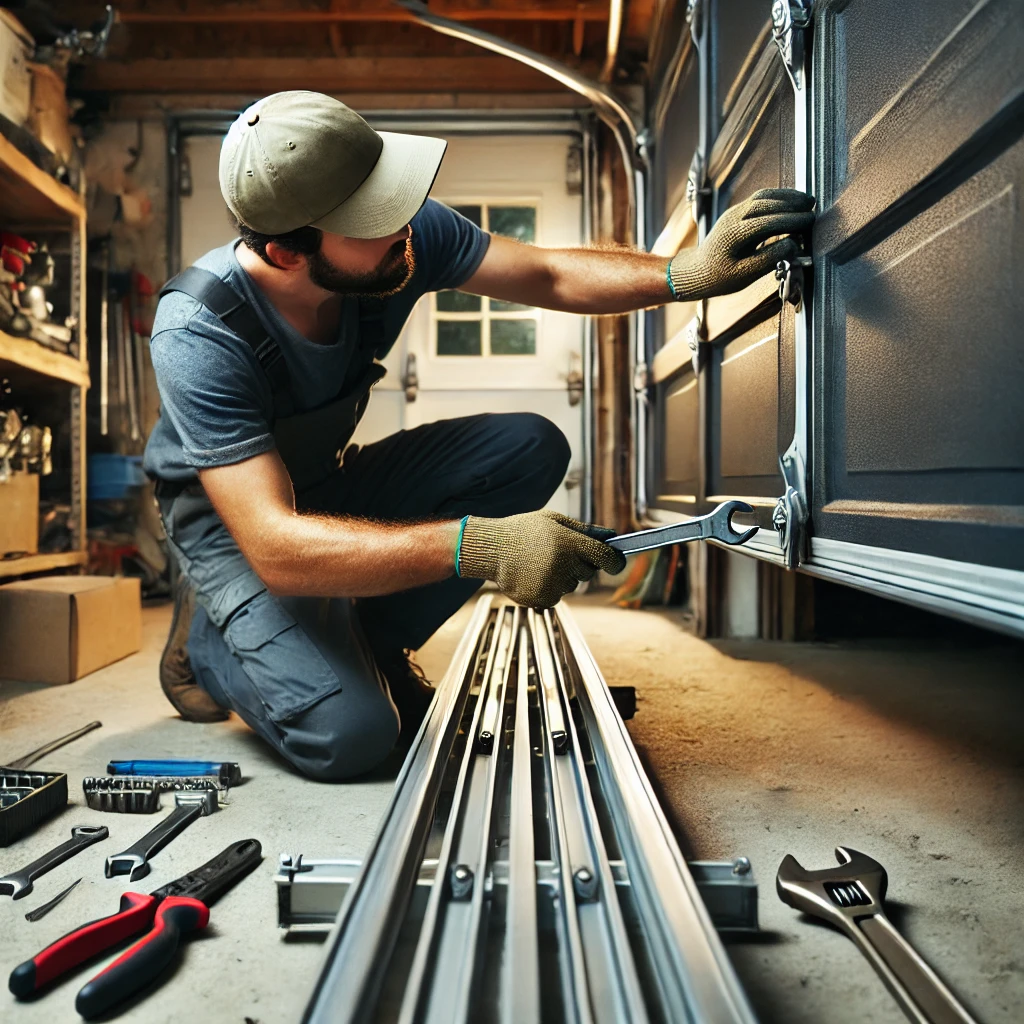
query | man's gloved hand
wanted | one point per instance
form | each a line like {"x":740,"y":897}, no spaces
{"x":729,"y":259}
{"x":535,"y":557}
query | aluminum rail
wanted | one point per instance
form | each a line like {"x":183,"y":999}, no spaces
{"x":366,"y":929}
{"x":692,"y":966}
{"x":524,"y":871}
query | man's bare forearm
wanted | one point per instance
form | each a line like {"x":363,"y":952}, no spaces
{"x":312,"y":555}
{"x":599,"y":279}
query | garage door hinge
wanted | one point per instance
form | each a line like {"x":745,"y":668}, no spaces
{"x":790,"y":515}
{"x":694,"y":334}
{"x":790,"y":19}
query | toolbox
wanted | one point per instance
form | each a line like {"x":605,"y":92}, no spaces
{"x":27,"y":798}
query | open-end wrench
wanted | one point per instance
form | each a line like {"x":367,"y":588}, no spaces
{"x":19,"y":883}
{"x":851,"y":898}
{"x":134,"y":861}
{"x":716,"y":524}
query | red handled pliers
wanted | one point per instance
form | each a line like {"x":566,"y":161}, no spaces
{"x":167,"y":913}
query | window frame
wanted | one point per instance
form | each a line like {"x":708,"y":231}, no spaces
{"x":485,"y":315}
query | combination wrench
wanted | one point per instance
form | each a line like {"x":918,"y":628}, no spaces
{"x":19,"y":883}
{"x":715,"y":525}
{"x":851,"y":897}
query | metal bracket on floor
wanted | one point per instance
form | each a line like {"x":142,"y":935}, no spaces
{"x":310,"y":891}
{"x":524,"y":861}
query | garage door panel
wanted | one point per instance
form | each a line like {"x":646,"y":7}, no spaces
{"x":895,"y":115}
{"x":919,"y":279}
{"x":910,"y":406}
{"x":678,"y":402}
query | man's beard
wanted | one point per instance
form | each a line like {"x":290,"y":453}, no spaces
{"x":390,"y":276}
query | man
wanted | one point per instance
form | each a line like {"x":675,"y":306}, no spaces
{"x":310,"y":567}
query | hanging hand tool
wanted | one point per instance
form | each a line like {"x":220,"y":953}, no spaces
{"x":41,"y":912}
{"x":134,"y":861}
{"x":851,"y":897}
{"x":167,"y":913}
{"x":715,"y":525}
{"x":48,"y":748}
{"x":19,"y":883}
{"x":228,"y":772}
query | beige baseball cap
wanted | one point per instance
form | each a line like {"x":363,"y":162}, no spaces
{"x":302,"y":158}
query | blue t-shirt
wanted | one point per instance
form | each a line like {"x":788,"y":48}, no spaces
{"x":216,"y":405}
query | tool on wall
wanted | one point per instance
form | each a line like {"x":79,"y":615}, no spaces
{"x":851,"y":897}
{"x":134,"y":861}
{"x":19,"y":883}
{"x":716,"y":525}
{"x":166,"y":915}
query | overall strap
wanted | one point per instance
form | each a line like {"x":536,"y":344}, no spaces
{"x":238,"y":315}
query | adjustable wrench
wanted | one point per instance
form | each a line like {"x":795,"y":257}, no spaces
{"x":19,"y":883}
{"x":716,"y":524}
{"x":851,"y":898}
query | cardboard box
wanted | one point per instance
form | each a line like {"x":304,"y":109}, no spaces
{"x":16,"y":47}
{"x":56,"y":629}
{"x":19,"y":514}
{"x":48,"y":118}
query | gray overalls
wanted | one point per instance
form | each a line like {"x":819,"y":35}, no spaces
{"x":301,"y":671}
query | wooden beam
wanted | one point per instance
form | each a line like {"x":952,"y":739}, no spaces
{"x":484,"y":74}
{"x":200,"y":11}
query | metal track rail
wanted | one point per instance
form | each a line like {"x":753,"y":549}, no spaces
{"x":524,"y":871}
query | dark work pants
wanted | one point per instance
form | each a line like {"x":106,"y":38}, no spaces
{"x":300,"y":671}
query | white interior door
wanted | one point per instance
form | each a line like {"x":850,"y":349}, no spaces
{"x":472,"y":354}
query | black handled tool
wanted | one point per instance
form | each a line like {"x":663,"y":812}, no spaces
{"x":165,"y":915}
{"x":48,"y":748}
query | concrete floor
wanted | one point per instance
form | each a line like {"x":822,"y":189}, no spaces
{"x":909,"y":752}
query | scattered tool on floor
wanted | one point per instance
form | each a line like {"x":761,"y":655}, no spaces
{"x":123,"y":794}
{"x":167,"y":913}
{"x":228,"y":772}
{"x":47,"y":748}
{"x":134,"y":861}
{"x":19,"y":883}
{"x":851,"y":897}
{"x":27,"y":798}
{"x":716,"y":525}
{"x":41,"y":912}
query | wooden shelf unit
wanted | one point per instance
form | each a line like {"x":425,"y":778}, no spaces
{"x":32,"y":201}
{"x":41,"y":563}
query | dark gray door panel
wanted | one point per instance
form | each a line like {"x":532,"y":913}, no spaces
{"x":919,"y":290}
{"x":677,"y":404}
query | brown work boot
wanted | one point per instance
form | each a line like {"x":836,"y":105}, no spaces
{"x":410,"y":690}
{"x":176,"y":676}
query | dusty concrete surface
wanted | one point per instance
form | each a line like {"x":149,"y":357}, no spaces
{"x":908,"y":753}
{"x":240,"y":969}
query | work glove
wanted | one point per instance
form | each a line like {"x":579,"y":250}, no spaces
{"x":729,"y":258}
{"x":535,"y":557}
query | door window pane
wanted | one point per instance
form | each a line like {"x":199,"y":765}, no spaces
{"x":500,"y":306}
{"x":513,"y":337}
{"x":519,"y":222}
{"x":458,"y":338}
{"x":470,"y":213}
{"x":457,"y":302}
